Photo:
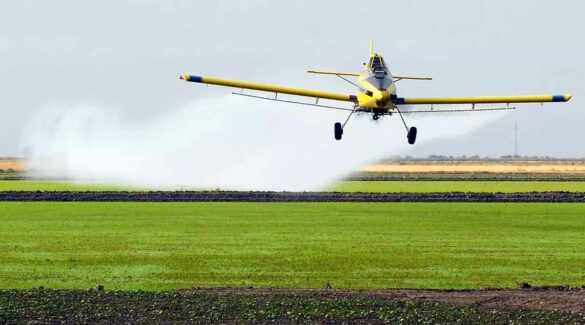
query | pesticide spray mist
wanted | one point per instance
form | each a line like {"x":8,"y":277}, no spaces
{"x":229,"y":143}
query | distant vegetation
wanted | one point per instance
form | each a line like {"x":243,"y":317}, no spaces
{"x":10,"y":174}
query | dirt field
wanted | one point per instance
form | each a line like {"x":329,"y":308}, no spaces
{"x":295,"y":306}
{"x":220,"y":196}
{"x":495,"y":167}
{"x":536,"y":298}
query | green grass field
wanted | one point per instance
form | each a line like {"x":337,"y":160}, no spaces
{"x":155,"y":246}
{"x":344,"y":186}
{"x":457,"y":186}
{"x":26,"y":185}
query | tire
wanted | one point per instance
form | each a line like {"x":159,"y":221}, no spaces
{"x":412,"y":135}
{"x":338,"y":131}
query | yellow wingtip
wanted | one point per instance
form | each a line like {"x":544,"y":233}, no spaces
{"x":184,"y":77}
{"x":568,"y":97}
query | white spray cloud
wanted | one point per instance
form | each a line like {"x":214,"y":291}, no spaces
{"x":228,"y":143}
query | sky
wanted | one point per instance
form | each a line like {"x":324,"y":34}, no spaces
{"x":126,"y":56}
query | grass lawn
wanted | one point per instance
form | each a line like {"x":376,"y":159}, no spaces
{"x":155,"y":246}
{"x":457,"y":186}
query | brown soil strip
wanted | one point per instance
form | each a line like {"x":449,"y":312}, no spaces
{"x":292,"y":306}
{"x":536,"y":298}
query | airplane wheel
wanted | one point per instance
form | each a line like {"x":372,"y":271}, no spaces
{"x":411,"y":135}
{"x":338,"y":131}
{"x":376,"y":117}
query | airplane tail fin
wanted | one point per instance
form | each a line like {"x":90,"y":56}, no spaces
{"x":372,"y":47}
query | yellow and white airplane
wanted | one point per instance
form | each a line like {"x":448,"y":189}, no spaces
{"x":376,"y":94}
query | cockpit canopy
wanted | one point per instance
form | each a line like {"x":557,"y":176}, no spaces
{"x":378,"y":67}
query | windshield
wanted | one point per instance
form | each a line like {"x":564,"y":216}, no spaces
{"x":378,"y":67}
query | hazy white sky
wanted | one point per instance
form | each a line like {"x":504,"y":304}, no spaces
{"x":127,"y":55}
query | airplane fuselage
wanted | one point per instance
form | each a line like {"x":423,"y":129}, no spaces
{"x":376,"y":86}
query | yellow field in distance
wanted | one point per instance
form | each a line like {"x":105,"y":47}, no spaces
{"x":495,"y":167}
{"x":12,"y":164}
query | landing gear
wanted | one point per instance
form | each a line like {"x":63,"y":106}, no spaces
{"x":338,"y":127}
{"x":410,"y":132}
{"x":338,"y":131}
{"x":411,"y":136}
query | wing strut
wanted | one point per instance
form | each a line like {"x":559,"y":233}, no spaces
{"x":398,"y":78}
{"x":276,"y":99}
{"x":461,"y":110}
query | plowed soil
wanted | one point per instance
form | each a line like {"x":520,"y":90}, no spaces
{"x":221,"y":196}
{"x":263,"y":306}
{"x":534,"y":298}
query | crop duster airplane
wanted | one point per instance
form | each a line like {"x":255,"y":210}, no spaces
{"x":376,"y":95}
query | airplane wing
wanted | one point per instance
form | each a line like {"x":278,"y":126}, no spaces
{"x":269,"y":88}
{"x":483,"y":100}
